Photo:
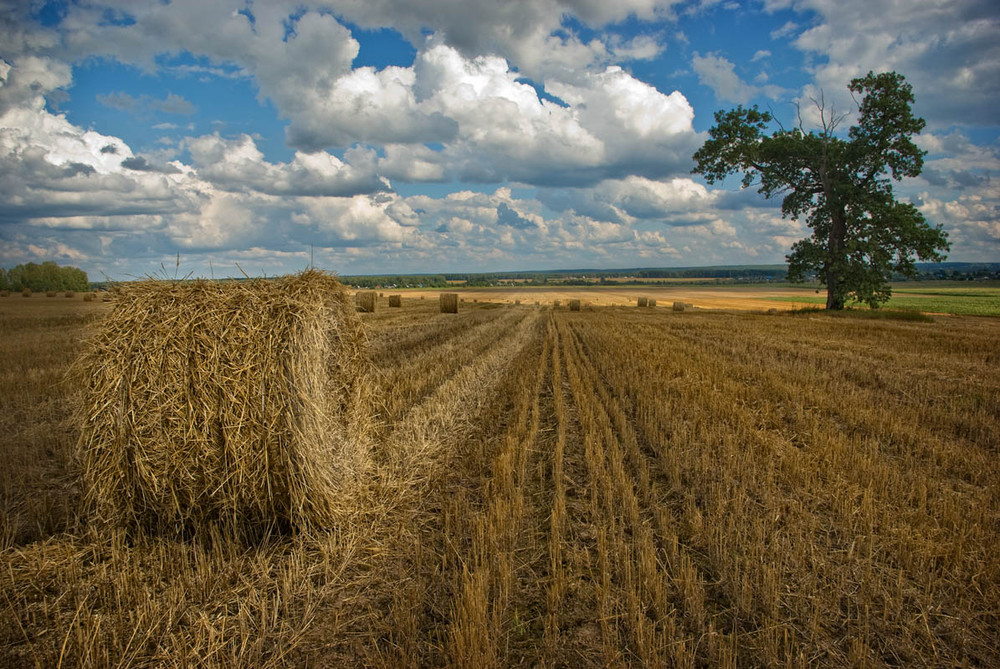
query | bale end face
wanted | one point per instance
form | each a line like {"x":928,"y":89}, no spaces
{"x":449,"y":303}
{"x":245,"y":406}
{"x":679,"y":306}
{"x":642,"y":301}
{"x":574,"y":305}
{"x":650,"y":302}
{"x":367,"y":301}
{"x":395,"y":301}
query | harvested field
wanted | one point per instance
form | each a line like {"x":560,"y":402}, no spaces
{"x":554,"y":488}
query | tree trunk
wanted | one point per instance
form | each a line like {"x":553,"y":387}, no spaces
{"x":835,"y":251}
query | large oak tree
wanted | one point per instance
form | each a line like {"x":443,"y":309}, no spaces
{"x":843,"y":186}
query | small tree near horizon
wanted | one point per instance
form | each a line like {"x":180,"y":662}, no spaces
{"x":843,"y":186}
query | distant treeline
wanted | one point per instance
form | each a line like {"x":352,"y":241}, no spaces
{"x":44,"y":277}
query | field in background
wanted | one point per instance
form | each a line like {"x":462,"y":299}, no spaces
{"x":946,"y":297}
{"x":615,"y":486}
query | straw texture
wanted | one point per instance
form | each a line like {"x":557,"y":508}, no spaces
{"x":241,"y":405}
{"x":449,"y":303}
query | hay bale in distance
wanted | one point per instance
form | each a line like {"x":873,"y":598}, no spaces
{"x":26,"y":292}
{"x":678,"y":306}
{"x":556,"y":303}
{"x":88,"y":297}
{"x":395,"y":300}
{"x":239,"y":405}
{"x":641,"y":302}
{"x":650,"y":302}
{"x":70,"y":293}
{"x":4,"y":293}
{"x":367,"y":301}
{"x":50,"y":293}
{"x":574,"y":305}
{"x":449,"y":303}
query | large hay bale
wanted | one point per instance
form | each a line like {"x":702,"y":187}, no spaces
{"x":50,"y":293}
{"x":26,"y":292}
{"x":651,"y":302}
{"x":367,"y":300}
{"x":678,"y":306}
{"x":449,"y":303}
{"x":70,"y":293}
{"x":241,"y":405}
{"x":395,"y":301}
{"x":574,"y":305}
{"x":556,"y":303}
{"x":641,"y":301}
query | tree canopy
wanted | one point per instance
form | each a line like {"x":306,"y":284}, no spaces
{"x":47,"y":276}
{"x":843,"y":186}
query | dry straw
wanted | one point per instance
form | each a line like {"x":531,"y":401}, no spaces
{"x":395,"y":301}
{"x":679,"y":306}
{"x":642,"y":301}
{"x":574,"y":305}
{"x":449,"y":303}
{"x":26,"y":292}
{"x":245,"y":406}
{"x":367,"y":301}
{"x":50,"y":293}
{"x":70,"y":293}
{"x":4,"y":293}
{"x":651,"y":302}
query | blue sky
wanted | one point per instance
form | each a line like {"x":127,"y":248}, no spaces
{"x":447,"y":135}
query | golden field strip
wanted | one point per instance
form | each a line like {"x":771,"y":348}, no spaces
{"x":612,"y":487}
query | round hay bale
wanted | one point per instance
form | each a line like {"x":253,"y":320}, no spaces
{"x":574,"y":305}
{"x":70,"y":293}
{"x":556,"y":303}
{"x":395,"y":300}
{"x":650,"y":302}
{"x":4,"y":293}
{"x":245,"y":406}
{"x":449,"y":303}
{"x":678,"y":306}
{"x":88,"y":297}
{"x":367,"y":301}
{"x":642,"y":301}
{"x":50,"y":293}
{"x":26,"y":292}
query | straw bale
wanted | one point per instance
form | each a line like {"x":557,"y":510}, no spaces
{"x":574,"y":305}
{"x":642,"y":301}
{"x":449,"y":303}
{"x":651,"y":302}
{"x":88,"y":297}
{"x":395,"y":300}
{"x":367,"y":301}
{"x":50,"y":293}
{"x":26,"y":292}
{"x":4,"y":293}
{"x":556,"y":303}
{"x":679,"y":306}
{"x":245,"y":406}
{"x":70,"y":293}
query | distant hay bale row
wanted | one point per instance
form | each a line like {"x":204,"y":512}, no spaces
{"x":240,"y":405}
{"x":682,"y":306}
{"x":367,"y":300}
{"x":51,"y":293}
{"x":642,"y":301}
{"x":449,"y":303}
{"x":395,"y":301}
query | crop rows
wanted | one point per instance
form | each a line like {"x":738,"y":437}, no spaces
{"x":604,"y":488}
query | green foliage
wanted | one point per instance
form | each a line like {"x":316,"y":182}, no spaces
{"x":861,"y":236}
{"x":43,"y":278}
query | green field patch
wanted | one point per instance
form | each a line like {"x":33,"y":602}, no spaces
{"x":965,"y":303}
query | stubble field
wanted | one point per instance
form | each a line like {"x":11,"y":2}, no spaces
{"x":618,"y":486}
